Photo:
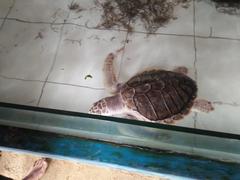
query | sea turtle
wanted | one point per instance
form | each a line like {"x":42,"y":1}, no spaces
{"x":155,"y":95}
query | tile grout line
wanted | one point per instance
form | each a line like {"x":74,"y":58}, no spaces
{"x":139,"y":32}
{"x":216,"y":37}
{"x":233,"y":104}
{"x":80,"y":86}
{"x":195,"y":117}
{"x":6,"y":16}
{"x":54,"y":60}
{"x":53,"y":63}
{"x":194,"y":43}
{"x":60,"y":83}
{"x":20,"y":79}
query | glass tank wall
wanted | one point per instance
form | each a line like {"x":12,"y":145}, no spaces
{"x":52,"y":52}
{"x":208,"y":144}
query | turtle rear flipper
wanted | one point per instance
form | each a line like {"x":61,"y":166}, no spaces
{"x":181,"y":70}
{"x":202,"y":105}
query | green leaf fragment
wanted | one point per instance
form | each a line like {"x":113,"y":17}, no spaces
{"x":88,"y":76}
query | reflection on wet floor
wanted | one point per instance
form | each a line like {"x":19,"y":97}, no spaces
{"x":231,"y":7}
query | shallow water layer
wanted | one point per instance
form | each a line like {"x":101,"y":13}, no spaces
{"x":52,"y":53}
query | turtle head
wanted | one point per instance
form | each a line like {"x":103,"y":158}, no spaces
{"x":99,"y":107}
{"x":107,"y":106}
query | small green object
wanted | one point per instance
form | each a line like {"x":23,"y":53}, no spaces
{"x":88,"y":76}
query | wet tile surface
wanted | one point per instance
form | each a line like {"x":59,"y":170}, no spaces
{"x":67,"y":58}
{"x":67,"y":97}
{"x":156,"y":52}
{"x":218,"y":81}
{"x":19,"y":92}
{"x":82,"y":53}
{"x":25,"y":50}
{"x":187,"y":121}
{"x":44,"y":10}
{"x":4,"y":8}
{"x":213,"y":21}
{"x":223,"y":119}
{"x":218,"y":70}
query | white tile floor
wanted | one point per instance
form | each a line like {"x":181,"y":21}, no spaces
{"x":67,"y":97}
{"x":218,"y":69}
{"x":156,"y":51}
{"x":44,"y":61}
{"x":4,"y":8}
{"x":210,"y":22}
{"x":19,"y":91}
{"x":82,"y":52}
{"x":24,"y":54}
{"x":38,"y":11}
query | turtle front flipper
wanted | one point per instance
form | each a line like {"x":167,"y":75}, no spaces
{"x":110,"y":80}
